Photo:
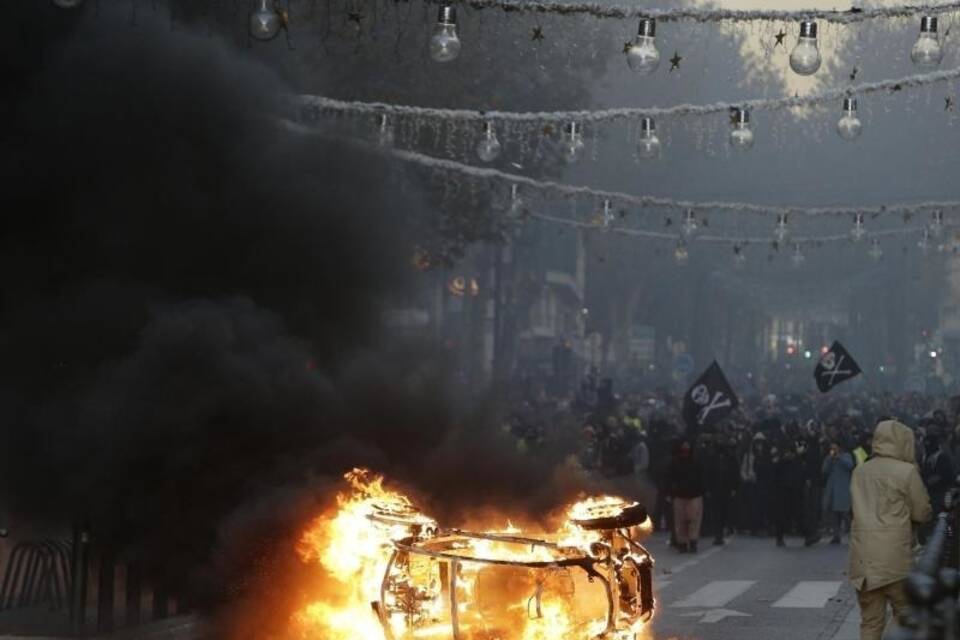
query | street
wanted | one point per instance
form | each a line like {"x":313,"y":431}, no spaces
{"x":752,"y":590}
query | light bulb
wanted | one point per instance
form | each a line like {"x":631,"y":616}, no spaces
{"x":445,"y":44}
{"x":689,"y":224}
{"x":385,"y":132}
{"x":741,"y":137}
{"x":781,"y":232}
{"x":265,"y":21}
{"x":927,"y":52}
{"x":936,"y":224}
{"x":67,"y":4}
{"x":739,"y":256}
{"x":849,"y":125}
{"x":643,"y":56}
{"x":681,"y":254}
{"x":488,"y":149}
{"x":859,"y":230}
{"x":649,"y":145}
{"x":876,"y":252}
{"x":797,"y":258}
{"x":924,"y":242}
{"x":805,"y":57}
{"x":573,"y":142}
{"x":605,"y":218}
{"x":515,"y":207}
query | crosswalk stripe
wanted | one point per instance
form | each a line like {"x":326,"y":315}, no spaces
{"x":812,"y":594}
{"x":715,"y":594}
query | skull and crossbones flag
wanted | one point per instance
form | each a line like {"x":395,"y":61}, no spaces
{"x":835,"y":366}
{"x":709,"y":400}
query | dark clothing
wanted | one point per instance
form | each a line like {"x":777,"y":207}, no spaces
{"x":686,"y":478}
{"x":938,"y":476}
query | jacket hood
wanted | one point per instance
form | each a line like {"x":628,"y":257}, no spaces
{"x":892,"y":439}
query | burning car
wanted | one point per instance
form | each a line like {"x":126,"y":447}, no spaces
{"x":403,"y":575}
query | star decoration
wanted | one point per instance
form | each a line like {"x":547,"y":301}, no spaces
{"x":675,"y":61}
{"x":537,"y":34}
{"x":853,"y":74}
{"x":780,"y":36}
{"x":949,"y":104}
{"x":355,"y":16}
{"x":626,"y":47}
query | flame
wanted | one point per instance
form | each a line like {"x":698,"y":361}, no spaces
{"x":385,"y":560}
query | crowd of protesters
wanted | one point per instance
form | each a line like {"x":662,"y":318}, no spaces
{"x":778,"y":467}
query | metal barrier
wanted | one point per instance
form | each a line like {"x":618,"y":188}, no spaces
{"x":37,"y":573}
{"x":934,"y":585}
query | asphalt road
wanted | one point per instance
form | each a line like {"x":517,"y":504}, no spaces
{"x":752,"y":590}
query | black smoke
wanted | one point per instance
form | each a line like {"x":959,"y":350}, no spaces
{"x":190,"y":300}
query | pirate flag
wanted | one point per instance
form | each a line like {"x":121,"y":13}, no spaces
{"x":835,"y":366}
{"x":709,"y":400}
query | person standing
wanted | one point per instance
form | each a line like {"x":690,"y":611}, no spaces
{"x":837,"y":468}
{"x":723,"y":479}
{"x":686,"y":489}
{"x":888,"y":498}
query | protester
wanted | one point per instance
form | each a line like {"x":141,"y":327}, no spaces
{"x":723,"y":479}
{"x":686,"y":490}
{"x":888,"y":497}
{"x":837,"y":469}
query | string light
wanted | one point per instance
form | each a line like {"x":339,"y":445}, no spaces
{"x":936,"y":224}
{"x":488,"y":149}
{"x":445,"y":43}
{"x":649,"y":145}
{"x":516,"y":204}
{"x":265,"y":21}
{"x":805,"y":57}
{"x":859,"y":230}
{"x":849,"y":125}
{"x":681,"y":253}
{"x":689,"y":224}
{"x":927,"y":52}
{"x":385,"y":132}
{"x":643,"y":57}
{"x":741,"y":137}
{"x":739,"y":256}
{"x":606,"y":218}
{"x":924,"y":242}
{"x":573,"y":142}
{"x":797,"y":259}
{"x":876,"y":251}
{"x":781,"y":232}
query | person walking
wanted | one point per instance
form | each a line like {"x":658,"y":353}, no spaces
{"x":836,"y":469}
{"x":888,"y":497}
{"x":686,"y":489}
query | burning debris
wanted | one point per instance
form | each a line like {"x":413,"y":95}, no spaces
{"x":399,"y":574}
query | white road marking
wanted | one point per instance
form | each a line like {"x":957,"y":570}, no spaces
{"x":809,"y":595}
{"x":693,"y":561}
{"x":715,"y":594}
{"x":716,"y":615}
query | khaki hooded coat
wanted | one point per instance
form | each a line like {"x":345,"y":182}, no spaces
{"x":888,"y":497}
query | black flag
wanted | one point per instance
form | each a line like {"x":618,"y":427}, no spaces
{"x":835,"y":366}
{"x":709,"y":400}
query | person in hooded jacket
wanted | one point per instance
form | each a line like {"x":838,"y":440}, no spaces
{"x":888,"y":498}
{"x":686,"y":489}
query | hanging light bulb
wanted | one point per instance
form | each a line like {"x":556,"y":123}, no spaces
{"x":488,"y":149}
{"x":739,"y":256}
{"x":876,"y":251}
{"x":516,"y":204}
{"x":67,"y":4}
{"x":572,"y":142}
{"x":805,"y":57}
{"x":859,"y":230}
{"x":741,"y":137}
{"x":643,"y":56}
{"x":681,"y":254}
{"x":689,"y":224}
{"x":781,"y":232}
{"x":265,"y":21}
{"x":649,"y":145}
{"x":385,"y":132}
{"x":936,"y":224}
{"x":849,"y":125}
{"x":927,"y":52}
{"x":605,"y":218}
{"x":445,"y":44}
{"x":797,"y":258}
{"x":924,"y":242}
